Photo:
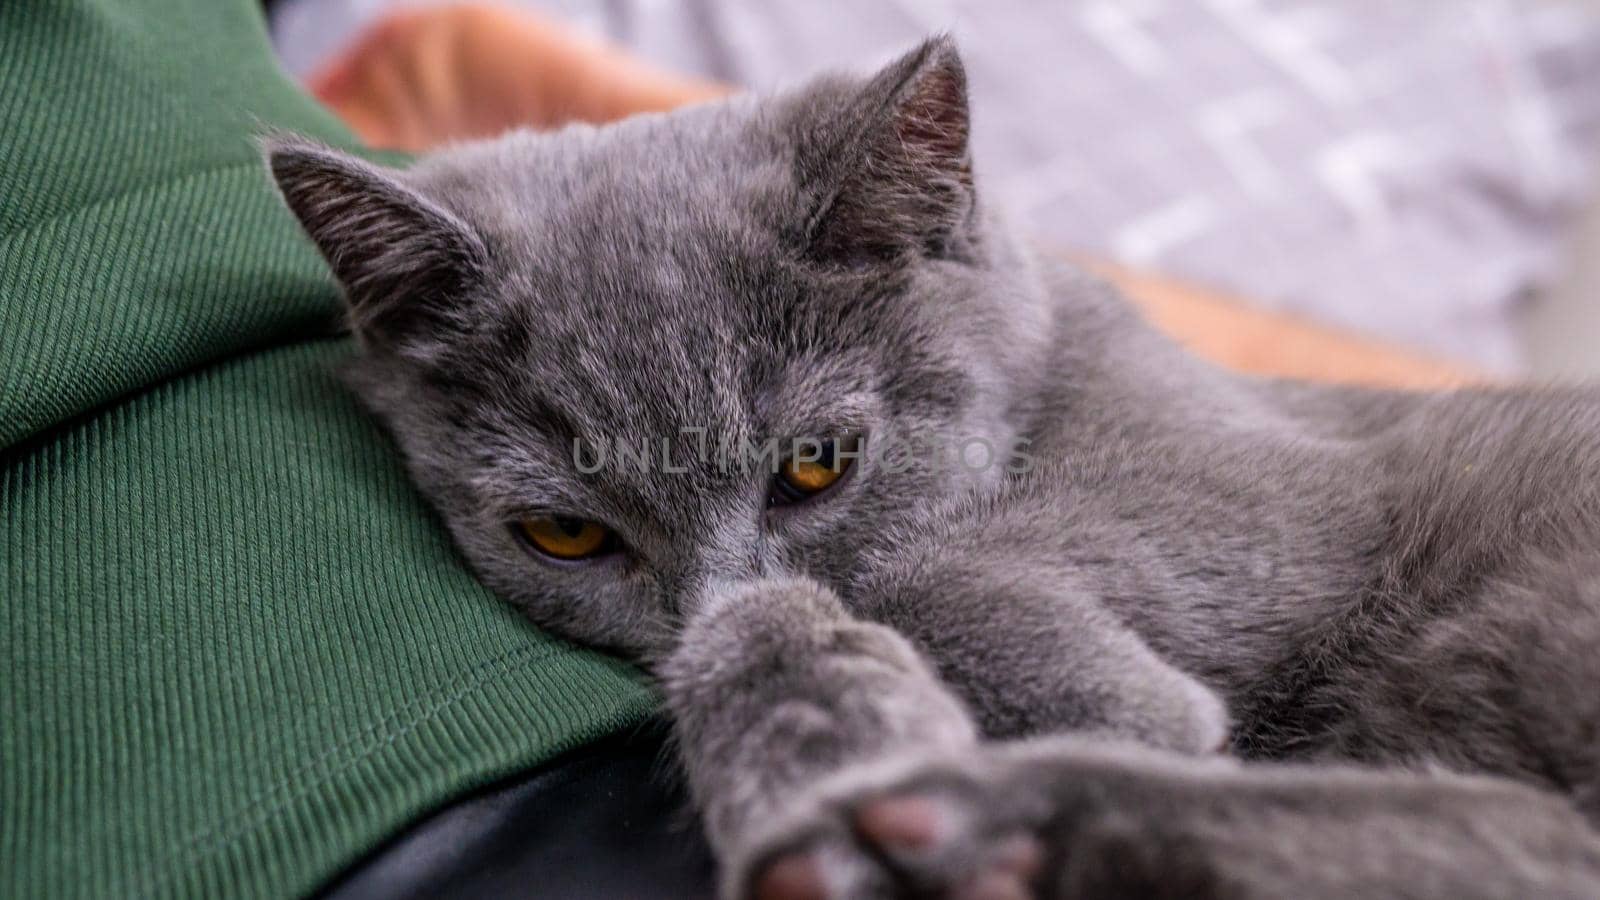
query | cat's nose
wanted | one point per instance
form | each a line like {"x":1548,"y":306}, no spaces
{"x":735,"y":565}
{"x":736,"y":546}
{"x":730,"y":557}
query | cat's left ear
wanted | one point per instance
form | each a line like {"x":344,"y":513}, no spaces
{"x":404,"y":262}
{"x":894,"y":167}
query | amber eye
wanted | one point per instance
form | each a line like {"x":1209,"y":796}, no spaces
{"x":567,"y":537}
{"x":801,"y":477}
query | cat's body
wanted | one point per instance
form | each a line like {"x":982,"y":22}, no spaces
{"x":1321,"y":573}
{"x":1285,"y":545}
{"x":1240,"y":527}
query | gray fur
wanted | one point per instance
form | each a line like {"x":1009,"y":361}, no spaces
{"x":1309,"y":573}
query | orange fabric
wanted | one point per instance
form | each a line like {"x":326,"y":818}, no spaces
{"x":422,"y":78}
{"x":1230,"y":332}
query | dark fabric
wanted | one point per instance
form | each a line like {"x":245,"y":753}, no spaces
{"x":610,"y":822}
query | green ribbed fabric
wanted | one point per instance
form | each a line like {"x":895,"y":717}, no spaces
{"x":131,"y":194}
{"x":237,"y":650}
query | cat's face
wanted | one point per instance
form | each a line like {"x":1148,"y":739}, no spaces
{"x":735,"y":340}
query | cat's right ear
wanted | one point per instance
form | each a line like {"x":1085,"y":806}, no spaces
{"x":404,"y":262}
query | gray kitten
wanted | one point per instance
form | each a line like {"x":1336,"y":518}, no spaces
{"x":866,"y":653}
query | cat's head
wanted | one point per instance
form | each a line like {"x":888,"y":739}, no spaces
{"x":607,"y":353}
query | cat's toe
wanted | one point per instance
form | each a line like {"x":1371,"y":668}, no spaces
{"x":821,"y":868}
{"x":905,"y":824}
{"x":950,"y":844}
{"x":798,"y":875}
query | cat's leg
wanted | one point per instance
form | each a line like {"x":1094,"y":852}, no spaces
{"x":1507,"y":683}
{"x":1032,"y":651}
{"x":773,"y":688}
{"x":1070,"y":818}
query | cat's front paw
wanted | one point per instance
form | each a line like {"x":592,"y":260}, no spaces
{"x":1000,"y":823}
{"x":916,"y":829}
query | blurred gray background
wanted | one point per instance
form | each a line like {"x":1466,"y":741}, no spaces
{"x":1562,"y":332}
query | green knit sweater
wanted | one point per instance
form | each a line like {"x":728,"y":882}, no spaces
{"x":237,"y":650}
